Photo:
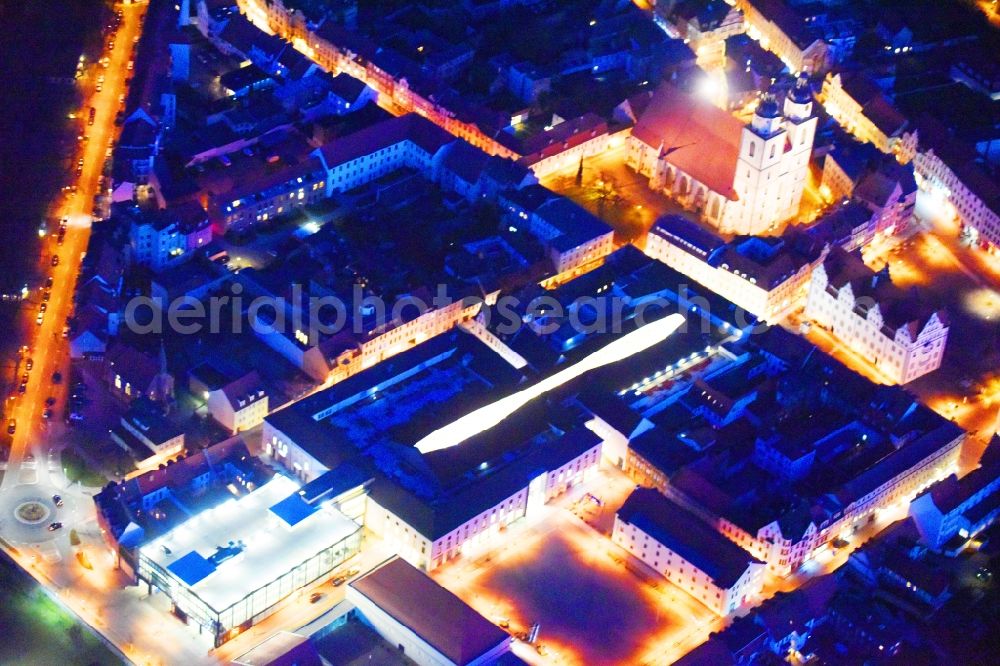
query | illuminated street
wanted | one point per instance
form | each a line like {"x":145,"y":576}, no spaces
{"x":94,"y":593}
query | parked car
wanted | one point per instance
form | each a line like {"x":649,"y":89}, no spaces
{"x":56,"y":377}
{"x":11,"y":426}
{"x":29,"y":364}
{"x":55,"y":526}
{"x":344,"y":577}
{"x":314,"y":597}
{"x":55,"y":259}
{"x":57,"y":500}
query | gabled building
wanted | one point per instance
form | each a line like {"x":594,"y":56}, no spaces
{"x":236,"y":401}
{"x":890,"y":329}
{"x":784,"y":31}
{"x":134,"y":156}
{"x":145,"y":433}
{"x":850,"y":225}
{"x":429,"y":624}
{"x":264,"y":199}
{"x":574,"y":238}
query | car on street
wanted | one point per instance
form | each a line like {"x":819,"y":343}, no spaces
{"x":24,"y":378}
{"x":314,"y":597}
{"x":11,"y":426}
{"x":48,"y":282}
{"x":43,"y":307}
{"x":47,"y":414}
{"x":57,"y":500}
{"x":344,"y":577}
{"x":40,"y":318}
{"x":55,"y":259}
{"x":23,"y":387}
{"x":29,"y":364}
{"x":46,"y":296}
{"x":50,"y":401}
{"x":55,"y":526}
{"x":56,"y":377}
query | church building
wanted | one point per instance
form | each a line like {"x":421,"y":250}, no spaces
{"x":742,"y":179}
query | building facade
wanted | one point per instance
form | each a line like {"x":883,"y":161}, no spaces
{"x":688,"y":553}
{"x":874,"y":320}
{"x":869,"y":116}
{"x":767,"y":277}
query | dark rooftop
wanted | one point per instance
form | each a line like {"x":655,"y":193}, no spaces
{"x":687,"y":535}
{"x":433,"y":613}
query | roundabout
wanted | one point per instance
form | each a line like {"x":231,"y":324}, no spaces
{"x":26,"y":511}
{"x":32,"y":512}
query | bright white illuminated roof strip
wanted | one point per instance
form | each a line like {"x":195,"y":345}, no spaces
{"x":490,"y":415}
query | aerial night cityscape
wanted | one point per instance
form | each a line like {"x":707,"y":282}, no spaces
{"x":500,"y":332}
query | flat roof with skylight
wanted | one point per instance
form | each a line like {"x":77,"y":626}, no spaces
{"x":235,"y":561}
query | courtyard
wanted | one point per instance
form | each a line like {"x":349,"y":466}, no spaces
{"x":592,"y":602}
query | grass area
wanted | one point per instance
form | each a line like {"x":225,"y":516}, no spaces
{"x":78,"y":469}
{"x":37,"y":629}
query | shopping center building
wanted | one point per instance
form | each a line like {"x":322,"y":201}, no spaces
{"x":230,"y":566}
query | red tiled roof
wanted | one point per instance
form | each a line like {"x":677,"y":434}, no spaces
{"x":247,"y":388}
{"x":412,"y":127}
{"x":701,"y":139}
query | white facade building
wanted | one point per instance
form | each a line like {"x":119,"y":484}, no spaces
{"x":688,"y":552}
{"x":767,"y":277}
{"x":872,"y":318}
{"x":967,"y":193}
{"x":239,"y":405}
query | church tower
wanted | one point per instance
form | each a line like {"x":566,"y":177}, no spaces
{"x":801,"y":125}
{"x":758,"y":172}
{"x":773,"y":163}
